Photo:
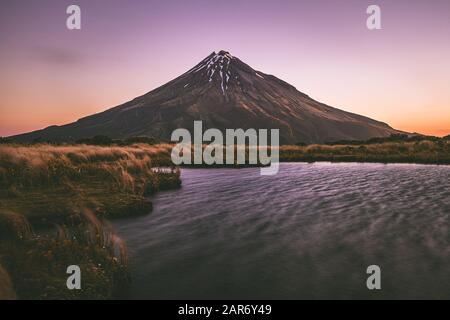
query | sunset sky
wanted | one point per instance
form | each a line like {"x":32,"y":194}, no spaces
{"x":52,"y":75}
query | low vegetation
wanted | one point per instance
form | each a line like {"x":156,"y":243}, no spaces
{"x":6,"y":287}
{"x":107,"y":141}
{"x":391,"y":138}
{"x":37,"y":262}
{"x":420,"y":151}
{"x":46,"y":181}
{"x":65,"y":193}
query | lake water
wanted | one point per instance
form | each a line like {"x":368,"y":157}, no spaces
{"x":308,"y":232}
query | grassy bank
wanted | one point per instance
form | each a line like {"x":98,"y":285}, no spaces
{"x":69,"y":191}
{"x":50,"y":182}
{"x":381,"y":150}
{"x":423,"y":152}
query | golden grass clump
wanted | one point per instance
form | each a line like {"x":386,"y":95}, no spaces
{"x":13,"y":225}
{"x":89,"y":230}
{"x":6,"y":287}
{"x":37,"y":264}
{"x":50,"y":180}
{"x":37,"y":165}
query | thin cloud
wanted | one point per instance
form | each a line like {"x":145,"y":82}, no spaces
{"x":57,"y":56}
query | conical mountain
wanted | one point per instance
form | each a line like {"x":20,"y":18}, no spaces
{"x":224,"y":93}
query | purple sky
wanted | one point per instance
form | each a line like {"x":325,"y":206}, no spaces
{"x":400,"y":74}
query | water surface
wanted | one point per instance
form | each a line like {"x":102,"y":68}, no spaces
{"x":308,"y":232}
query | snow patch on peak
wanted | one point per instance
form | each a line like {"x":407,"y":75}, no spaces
{"x":217,"y":67}
{"x":259,"y":75}
{"x":220,"y":63}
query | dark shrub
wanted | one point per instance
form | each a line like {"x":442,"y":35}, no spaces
{"x":147,"y":140}
{"x":97,"y":141}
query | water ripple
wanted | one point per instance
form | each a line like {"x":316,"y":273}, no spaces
{"x":308,"y":232}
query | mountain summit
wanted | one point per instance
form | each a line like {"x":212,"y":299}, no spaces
{"x":225,"y":93}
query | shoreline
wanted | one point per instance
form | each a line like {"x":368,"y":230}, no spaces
{"x":325,"y":160}
{"x":77,"y":188}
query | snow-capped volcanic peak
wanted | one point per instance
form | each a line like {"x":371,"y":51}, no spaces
{"x":224,"y":92}
{"x":216,"y":68}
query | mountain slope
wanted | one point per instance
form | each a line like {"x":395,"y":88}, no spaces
{"x":223,"y":92}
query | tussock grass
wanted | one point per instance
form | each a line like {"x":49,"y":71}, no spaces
{"x":37,"y":263}
{"x":427,"y":152}
{"x":68,"y":191}
{"x":40,"y":165}
{"x":434,"y":151}
{"x":54,"y":181}
{"x":6,"y":288}
{"x":13,"y":225}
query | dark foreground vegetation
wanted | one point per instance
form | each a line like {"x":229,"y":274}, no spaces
{"x":54,"y":202}
{"x":99,"y":140}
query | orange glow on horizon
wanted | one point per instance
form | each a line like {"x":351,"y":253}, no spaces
{"x":11,"y":124}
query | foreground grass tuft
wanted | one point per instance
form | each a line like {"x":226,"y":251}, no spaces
{"x":37,"y":263}
{"x":6,"y":288}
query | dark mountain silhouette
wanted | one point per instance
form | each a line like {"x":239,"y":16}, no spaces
{"x":223,"y":92}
